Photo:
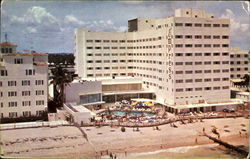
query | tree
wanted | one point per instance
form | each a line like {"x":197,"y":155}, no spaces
{"x":60,"y":79}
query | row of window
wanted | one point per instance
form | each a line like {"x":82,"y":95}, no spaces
{"x":201,"y":88}
{"x":201,"y":71}
{"x":238,"y":62}
{"x":25,"y":114}
{"x":201,"y":25}
{"x":28,"y":72}
{"x":109,"y":74}
{"x":24,"y":103}
{"x":201,"y":80}
{"x":203,"y":54}
{"x":160,"y":46}
{"x":200,"y":36}
{"x":107,"y":68}
{"x":24,"y":83}
{"x":201,"y":63}
{"x":6,"y":50}
{"x":239,"y":69}
{"x":201,"y":45}
{"x":24,"y":93}
{"x":238,"y":55}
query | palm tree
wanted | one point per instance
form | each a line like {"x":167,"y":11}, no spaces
{"x":60,"y":79}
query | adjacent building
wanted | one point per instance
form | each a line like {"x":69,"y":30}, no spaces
{"x":23,"y":82}
{"x":239,"y":60}
{"x":184,"y":59}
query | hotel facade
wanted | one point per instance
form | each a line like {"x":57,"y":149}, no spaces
{"x":184,"y":59}
{"x":23,"y":82}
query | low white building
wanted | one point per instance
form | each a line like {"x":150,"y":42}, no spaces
{"x":23,"y":83}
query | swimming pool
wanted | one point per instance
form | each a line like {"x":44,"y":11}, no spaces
{"x":123,"y":113}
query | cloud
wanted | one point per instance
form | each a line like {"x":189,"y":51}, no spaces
{"x":236,"y":26}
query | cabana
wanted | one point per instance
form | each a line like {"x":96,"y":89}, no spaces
{"x":149,"y":102}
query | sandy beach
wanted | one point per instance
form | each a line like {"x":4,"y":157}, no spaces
{"x":68,"y":141}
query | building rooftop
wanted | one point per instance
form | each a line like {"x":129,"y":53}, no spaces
{"x":25,"y":54}
{"x":7,"y":44}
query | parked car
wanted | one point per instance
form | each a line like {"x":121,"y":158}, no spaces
{"x":226,"y":110}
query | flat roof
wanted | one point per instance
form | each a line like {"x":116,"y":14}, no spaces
{"x":25,"y":54}
{"x":127,"y":92}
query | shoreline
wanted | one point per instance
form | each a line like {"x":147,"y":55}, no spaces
{"x":68,"y":141}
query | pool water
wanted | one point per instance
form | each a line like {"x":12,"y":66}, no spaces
{"x":134,"y":114}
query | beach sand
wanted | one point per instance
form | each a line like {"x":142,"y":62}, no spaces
{"x":68,"y":141}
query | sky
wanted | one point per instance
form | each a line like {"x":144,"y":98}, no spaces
{"x":48,"y":26}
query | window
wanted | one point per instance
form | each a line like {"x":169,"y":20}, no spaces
{"x":188,"y":54}
{"x":4,"y":73}
{"x":216,"y":45}
{"x":188,"y":24}
{"x":178,"y":24}
{"x":12,"y":114}
{"x":216,"y":79}
{"x":90,"y":75}
{"x":89,"y":68}
{"x":207,"y":71}
{"x":178,"y":81}
{"x":216,"y":71}
{"x":216,"y":54}
{"x":197,"y":36}
{"x":25,"y":93}
{"x":178,"y":45}
{"x":188,"y":37}
{"x":30,"y":72}
{"x":89,"y":47}
{"x":198,"y":63}
{"x":106,"y":41}
{"x":216,"y":37}
{"x":178,"y":72}
{"x":188,"y":45}
{"x":26,"y":113}
{"x":198,"y":80}
{"x":207,"y":37}
{"x":225,"y":79}
{"x":98,"y":61}
{"x":207,"y":54}
{"x":11,"y":83}
{"x":39,"y":102}
{"x":189,"y":80}
{"x":18,"y":61}
{"x":39,"y":92}
{"x":207,"y":62}
{"x":89,"y":41}
{"x":225,"y":45}
{"x":198,"y":89}
{"x":1,"y":83}
{"x":12,"y":93}
{"x":225,"y":62}
{"x":178,"y":63}
{"x":179,"y":54}
{"x":198,"y":25}
{"x":198,"y":45}
{"x":225,"y":25}
{"x":189,"y":72}
{"x":39,"y":82}
{"x":178,"y":36}
{"x":89,"y":61}
{"x":225,"y":70}
{"x":12,"y":104}
{"x":207,"y":25}
{"x":25,"y":82}
{"x":26,"y":103}
{"x":207,"y":45}
{"x":225,"y":37}
{"x":225,"y":87}
{"x":98,"y":47}
{"x":225,"y":54}
{"x":179,"y":90}
{"x":98,"y":41}
{"x":188,"y":63}
{"x":189,"y":89}
{"x":216,"y":25}
{"x":216,"y":62}
{"x":216,"y":88}
{"x":198,"y":71}
{"x":207,"y":80}
{"x":39,"y":112}
{"x":207,"y":88}
{"x":198,"y":54}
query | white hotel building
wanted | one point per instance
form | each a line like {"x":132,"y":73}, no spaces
{"x":23,"y":82}
{"x":184,"y":59}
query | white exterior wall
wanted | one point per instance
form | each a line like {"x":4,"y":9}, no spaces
{"x":75,"y":89}
{"x":155,"y":56}
{"x":239,"y":62}
{"x":17,"y":72}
